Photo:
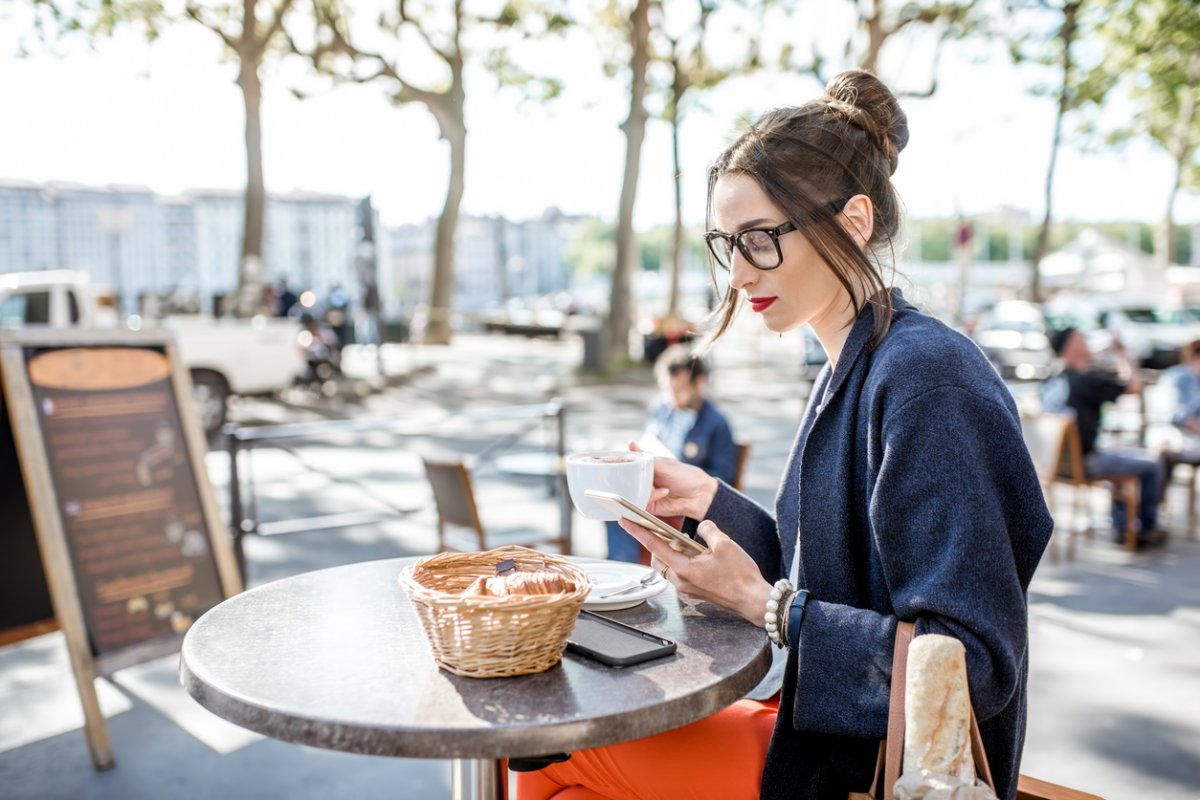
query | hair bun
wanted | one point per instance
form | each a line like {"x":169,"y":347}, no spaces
{"x":868,"y":103}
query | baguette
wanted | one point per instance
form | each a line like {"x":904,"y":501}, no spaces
{"x":937,"y":734}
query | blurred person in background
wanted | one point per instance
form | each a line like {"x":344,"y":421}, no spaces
{"x":1081,"y":391}
{"x":689,"y":427}
{"x":285,"y":298}
{"x":321,"y":349}
{"x":1183,"y":380}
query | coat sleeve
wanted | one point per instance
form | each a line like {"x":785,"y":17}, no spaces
{"x":751,"y":526}
{"x":959,"y":522}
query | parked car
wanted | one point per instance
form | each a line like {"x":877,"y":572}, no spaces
{"x":224,"y":356}
{"x":1154,"y":336}
{"x":1012,"y":333}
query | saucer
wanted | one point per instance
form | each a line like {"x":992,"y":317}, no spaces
{"x":610,"y":577}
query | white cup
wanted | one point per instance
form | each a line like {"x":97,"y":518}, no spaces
{"x":629,"y":473}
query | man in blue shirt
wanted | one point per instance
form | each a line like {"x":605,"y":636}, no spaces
{"x":688,"y":425}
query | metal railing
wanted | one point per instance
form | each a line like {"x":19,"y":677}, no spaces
{"x":243,"y":506}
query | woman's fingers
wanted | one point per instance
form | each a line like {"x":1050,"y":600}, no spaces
{"x":657,"y":547}
{"x":710,"y":533}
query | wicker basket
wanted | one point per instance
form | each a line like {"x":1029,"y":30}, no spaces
{"x":493,"y":637}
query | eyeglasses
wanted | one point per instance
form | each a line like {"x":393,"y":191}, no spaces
{"x":759,"y":246}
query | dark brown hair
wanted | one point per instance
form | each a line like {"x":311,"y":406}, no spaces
{"x":810,"y":160}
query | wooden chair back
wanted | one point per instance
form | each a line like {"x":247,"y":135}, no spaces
{"x":454,"y":496}
{"x":1057,"y":451}
{"x":1055,"y":447}
{"x":742,"y":457}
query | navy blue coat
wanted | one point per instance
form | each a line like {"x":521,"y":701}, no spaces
{"x":913,"y":497}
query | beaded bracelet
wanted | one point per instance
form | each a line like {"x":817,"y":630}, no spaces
{"x":778,"y":604}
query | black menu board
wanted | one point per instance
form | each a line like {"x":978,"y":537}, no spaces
{"x":125,"y":489}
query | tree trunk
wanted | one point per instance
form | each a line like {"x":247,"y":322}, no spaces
{"x":619,"y":312}
{"x":1181,"y":152}
{"x":441,"y":299}
{"x":250,"y":272}
{"x":678,"y":87}
{"x":876,"y":36}
{"x":1067,"y":35}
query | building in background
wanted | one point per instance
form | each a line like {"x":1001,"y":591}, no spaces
{"x":138,"y":243}
{"x":496,"y":260}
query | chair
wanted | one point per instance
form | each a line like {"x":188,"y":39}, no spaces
{"x":1174,"y":458}
{"x":1057,"y":452}
{"x":1033,"y":789}
{"x":739,"y":469}
{"x":459,"y":525}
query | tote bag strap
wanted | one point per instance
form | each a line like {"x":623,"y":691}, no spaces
{"x":894,"y":752}
{"x":891,"y":749}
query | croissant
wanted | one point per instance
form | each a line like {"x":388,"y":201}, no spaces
{"x":518,"y":583}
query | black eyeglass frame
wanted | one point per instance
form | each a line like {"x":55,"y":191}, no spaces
{"x":735,"y":240}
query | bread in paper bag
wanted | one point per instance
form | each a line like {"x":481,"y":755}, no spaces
{"x":937,"y":711}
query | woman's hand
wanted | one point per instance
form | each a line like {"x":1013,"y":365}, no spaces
{"x":680,"y":490}
{"x":725,"y":575}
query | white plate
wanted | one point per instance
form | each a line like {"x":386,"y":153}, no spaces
{"x":609,"y":577}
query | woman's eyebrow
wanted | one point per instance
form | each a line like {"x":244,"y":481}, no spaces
{"x":748,"y":224}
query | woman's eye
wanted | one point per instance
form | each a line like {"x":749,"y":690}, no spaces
{"x":758,"y":241}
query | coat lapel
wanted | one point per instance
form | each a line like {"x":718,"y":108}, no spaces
{"x":824,"y":397}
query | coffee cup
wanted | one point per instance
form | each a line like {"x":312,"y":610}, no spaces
{"x":629,"y":473}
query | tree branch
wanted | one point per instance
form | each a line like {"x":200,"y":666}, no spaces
{"x":281,"y":11}
{"x":197,"y":15}
{"x":424,"y":34}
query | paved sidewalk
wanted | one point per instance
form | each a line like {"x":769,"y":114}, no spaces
{"x":1115,"y":638}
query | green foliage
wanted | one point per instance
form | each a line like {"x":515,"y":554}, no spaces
{"x":1151,"y":49}
{"x":592,"y":250}
{"x":875,"y":24}
{"x":55,"y":19}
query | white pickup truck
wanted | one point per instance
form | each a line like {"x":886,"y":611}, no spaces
{"x":224,"y":356}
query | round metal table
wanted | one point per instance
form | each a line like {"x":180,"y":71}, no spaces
{"x":336,"y":659}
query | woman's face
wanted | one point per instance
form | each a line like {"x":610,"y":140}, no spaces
{"x":802,"y":289}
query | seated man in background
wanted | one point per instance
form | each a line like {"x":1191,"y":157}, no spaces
{"x":1084,"y":393}
{"x":688,"y":425}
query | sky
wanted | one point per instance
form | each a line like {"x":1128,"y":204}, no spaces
{"x":169,"y":117}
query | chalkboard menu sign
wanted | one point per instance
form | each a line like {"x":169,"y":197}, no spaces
{"x":111,"y":460}
{"x":125,"y":489}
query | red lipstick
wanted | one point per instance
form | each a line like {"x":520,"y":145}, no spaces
{"x":760,"y":304}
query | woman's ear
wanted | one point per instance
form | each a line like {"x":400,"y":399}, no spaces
{"x":858,"y":219}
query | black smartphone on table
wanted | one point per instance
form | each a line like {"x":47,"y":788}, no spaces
{"x":615,"y":643}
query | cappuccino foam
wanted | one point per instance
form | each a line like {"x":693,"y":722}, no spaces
{"x":606,"y":459}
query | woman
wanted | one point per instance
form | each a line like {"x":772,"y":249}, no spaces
{"x":687,"y":424}
{"x":909,"y":494}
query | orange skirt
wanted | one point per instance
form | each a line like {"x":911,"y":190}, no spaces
{"x":719,"y":758}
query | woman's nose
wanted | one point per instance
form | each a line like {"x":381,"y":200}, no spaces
{"x":741,"y":272}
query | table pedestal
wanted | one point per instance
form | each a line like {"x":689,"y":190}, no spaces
{"x":478,"y":779}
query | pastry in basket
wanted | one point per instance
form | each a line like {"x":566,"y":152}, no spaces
{"x":516,"y":582}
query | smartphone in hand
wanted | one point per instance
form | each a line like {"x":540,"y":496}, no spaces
{"x":627,"y":509}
